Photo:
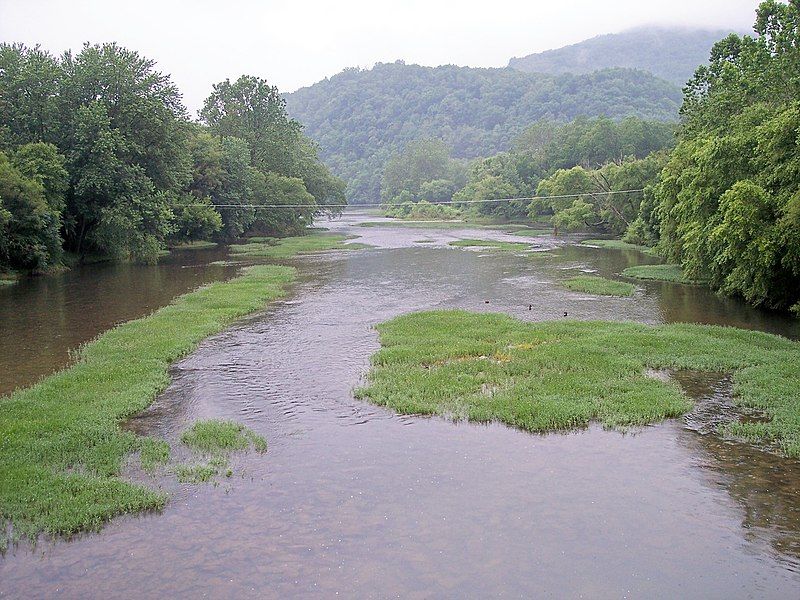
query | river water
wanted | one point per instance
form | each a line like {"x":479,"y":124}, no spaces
{"x":354,"y":500}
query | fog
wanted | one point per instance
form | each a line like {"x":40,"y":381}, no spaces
{"x":293,"y":44}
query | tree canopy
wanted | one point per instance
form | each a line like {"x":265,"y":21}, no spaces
{"x":99,"y":156}
{"x":361,"y":118}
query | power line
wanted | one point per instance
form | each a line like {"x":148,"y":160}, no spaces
{"x":379,"y":204}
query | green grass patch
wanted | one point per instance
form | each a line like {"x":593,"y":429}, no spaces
{"x":217,"y":440}
{"x":418,"y":224}
{"x":672,"y":273}
{"x":195,"y":245}
{"x":222,"y":436}
{"x":592,"y":284}
{"x":61,"y":444}
{"x":561,"y":375}
{"x":279,"y":248}
{"x":153,"y":453}
{"x":494,"y":244}
{"x":619,"y":245}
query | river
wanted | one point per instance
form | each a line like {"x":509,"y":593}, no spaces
{"x":354,"y":500}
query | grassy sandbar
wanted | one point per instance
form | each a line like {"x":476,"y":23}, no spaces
{"x":494,"y":244}
{"x":563,"y":374}
{"x":591,"y":284}
{"x":673,"y":273}
{"x":61,"y":444}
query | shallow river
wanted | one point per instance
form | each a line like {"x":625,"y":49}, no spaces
{"x":355,"y":500}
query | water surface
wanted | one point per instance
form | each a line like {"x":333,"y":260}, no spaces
{"x":355,"y":500}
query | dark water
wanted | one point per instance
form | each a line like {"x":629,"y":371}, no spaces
{"x":353,"y":500}
{"x":43,"y":318}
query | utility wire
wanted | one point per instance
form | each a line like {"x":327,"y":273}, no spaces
{"x":379,"y":204}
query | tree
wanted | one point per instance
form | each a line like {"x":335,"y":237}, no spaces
{"x":29,"y":234}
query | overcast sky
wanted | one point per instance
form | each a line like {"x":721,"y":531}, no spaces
{"x":293,"y":43}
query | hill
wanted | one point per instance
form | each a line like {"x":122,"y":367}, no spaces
{"x":361,"y":117}
{"x":669,"y":53}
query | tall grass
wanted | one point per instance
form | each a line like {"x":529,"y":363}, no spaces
{"x":564,"y":374}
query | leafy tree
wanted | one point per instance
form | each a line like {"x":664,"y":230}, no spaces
{"x":361,"y":118}
{"x":421,"y":162}
{"x":726,"y":204}
{"x":29,"y":226}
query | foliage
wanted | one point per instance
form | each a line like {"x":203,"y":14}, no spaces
{"x":560,"y":375}
{"x":361,"y":118}
{"x":422,"y":171}
{"x":592,"y":284}
{"x":727,"y":205}
{"x":122,"y":170}
{"x":422,"y":210}
{"x":31,"y":200}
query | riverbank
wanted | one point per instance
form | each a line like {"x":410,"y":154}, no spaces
{"x":61,"y":445}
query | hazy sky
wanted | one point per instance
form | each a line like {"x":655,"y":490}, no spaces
{"x":295,"y":43}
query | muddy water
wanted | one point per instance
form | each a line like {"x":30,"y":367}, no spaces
{"x":42,"y":319}
{"x":354,"y":500}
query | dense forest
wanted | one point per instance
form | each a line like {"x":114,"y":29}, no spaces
{"x":98,"y":157}
{"x":589,"y":156}
{"x":362,"y":117}
{"x":671,"y":53}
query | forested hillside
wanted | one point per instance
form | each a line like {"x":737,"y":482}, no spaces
{"x":360,"y":118}
{"x":669,"y":53}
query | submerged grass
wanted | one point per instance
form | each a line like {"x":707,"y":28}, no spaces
{"x":278,"y":248}
{"x":672,"y":273}
{"x":563,"y":374}
{"x":217,"y":440}
{"x":216,"y":437}
{"x":61,"y":444}
{"x":592,"y":284}
{"x":509,"y":246}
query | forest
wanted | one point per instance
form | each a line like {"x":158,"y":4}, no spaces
{"x":99,"y":158}
{"x":361,"y":118}
{"x":721,"y":198}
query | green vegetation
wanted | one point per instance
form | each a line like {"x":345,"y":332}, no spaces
{"x":672,"y":273}
{"x":376,"y":113}
{"x":153,"y":453}
{"x":726,"y":206}
{"x":217,"y":440}
{"x":287,"y":247}
{"x":592,"y":284}
{"x":670,"y":53}
{"x":98,"y":157}
{"x":619,"y":245}
{"x":195,"y":245}
{"x":61,"y":445}
{"x":509,"y":246}
{"x":215,"y":437}
{"x":564,"y":374}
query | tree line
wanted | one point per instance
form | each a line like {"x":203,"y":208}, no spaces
{"x":722,"y":198}
{"x":99,"y":156}
{"x":362,"y":117}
